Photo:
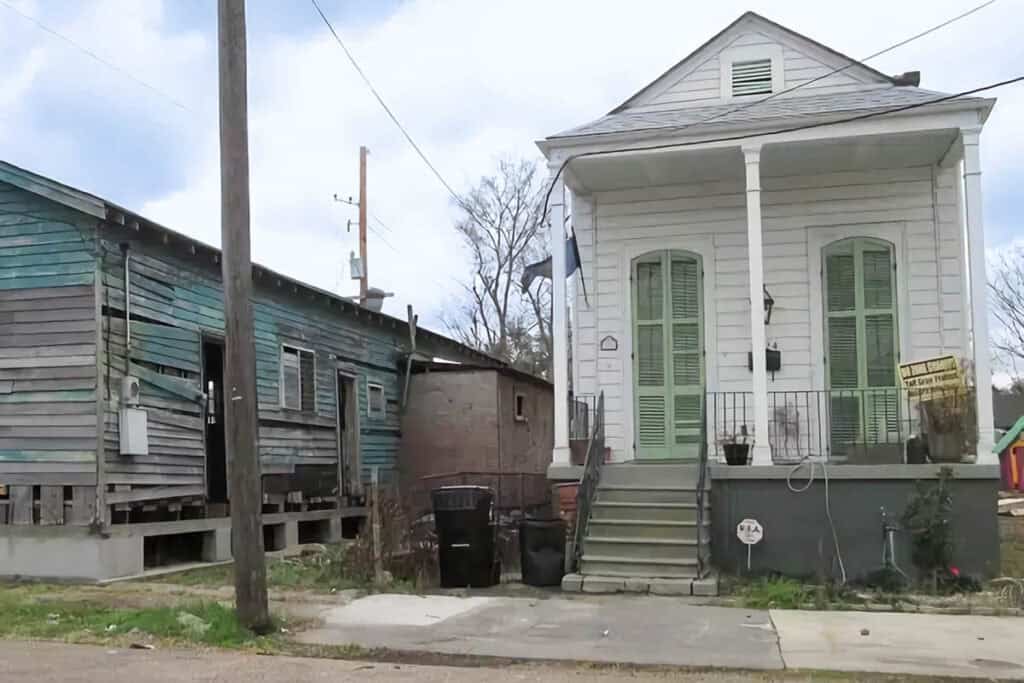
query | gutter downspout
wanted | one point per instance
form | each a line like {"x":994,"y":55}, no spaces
{"x":127,"y":306}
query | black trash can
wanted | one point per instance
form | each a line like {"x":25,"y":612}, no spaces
{"x":465,"y":536}
{"x":542,"y":551}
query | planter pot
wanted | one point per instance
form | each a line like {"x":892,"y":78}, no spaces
{"x":947,"y":447}
{"x":736,"y":453}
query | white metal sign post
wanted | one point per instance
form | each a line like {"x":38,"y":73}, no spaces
{"x":750,"y":532}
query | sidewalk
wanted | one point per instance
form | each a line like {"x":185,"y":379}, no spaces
{"x":678,"y":632}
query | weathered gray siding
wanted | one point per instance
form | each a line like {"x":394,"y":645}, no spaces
{"x":47,"y":343}
{"x":175,"y":300}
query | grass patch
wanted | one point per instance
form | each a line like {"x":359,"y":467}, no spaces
{"x":24,"y":615}
{"x":774,"y":593}
{"x":1012,"y":558}
{"x":321,"y":572}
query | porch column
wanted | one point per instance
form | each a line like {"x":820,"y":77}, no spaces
{"x":762,"y":449}
{"x":559,"y":327}
{"x":979,"y":295}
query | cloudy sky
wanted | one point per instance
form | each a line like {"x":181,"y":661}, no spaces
{"x":473,"y":81}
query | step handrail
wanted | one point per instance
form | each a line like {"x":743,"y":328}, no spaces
{"x":702,"y":470}
{"x":587,"y":489}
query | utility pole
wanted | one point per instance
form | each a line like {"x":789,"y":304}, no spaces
{"x":240,"y":366}
{"x":364,"y":280}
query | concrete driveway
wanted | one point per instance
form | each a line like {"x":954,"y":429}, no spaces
{"x":619,"y":629}
{"x":643,"y":630}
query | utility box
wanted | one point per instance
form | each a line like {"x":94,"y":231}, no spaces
{"x":134,"y":436}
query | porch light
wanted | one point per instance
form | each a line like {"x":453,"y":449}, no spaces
{"x":769,"y":304}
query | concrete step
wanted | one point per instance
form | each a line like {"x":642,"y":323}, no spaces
{"x":639,"y":548}
{"x":614,"y":493}
{"x":633,"y":567}
{"x":646,"y":511}
{"x":678,"y":474}
{"x":644,"y":528}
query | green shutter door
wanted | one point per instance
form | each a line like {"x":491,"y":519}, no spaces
{"x":861,"y":342}
{"x":668,"y":355}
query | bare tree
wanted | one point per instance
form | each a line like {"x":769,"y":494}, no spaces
{"x":502,"y":227}
{"x":1007,"y":301}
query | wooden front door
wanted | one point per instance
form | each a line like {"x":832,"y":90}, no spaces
{"x":668,"y":354}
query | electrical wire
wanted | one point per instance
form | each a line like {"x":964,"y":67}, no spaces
{"x":828,"y":503}
{"x":383,"y":104}
{"x":844,"y":67}
{"x":110,"y":65}
{"x":770,"y":133}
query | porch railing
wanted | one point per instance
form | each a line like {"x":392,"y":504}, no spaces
{"x":857,"y":426}
{"x":588,"y":482}
{"x":581,"y":411}
{"x":702,"y":473}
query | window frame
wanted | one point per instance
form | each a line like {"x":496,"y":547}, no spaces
{"x":519,"y":406}
{"x":752,"y":53}
{"x":299,"y":350}
{"x":370,"y":413}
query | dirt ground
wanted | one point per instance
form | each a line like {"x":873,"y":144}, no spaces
{"x":61,"y":663}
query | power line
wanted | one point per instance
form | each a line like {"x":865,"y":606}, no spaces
{"x":779,"y":131}
{"x":110,"y":65}
{"x":384,"y":105}
{"x":844,"y":67}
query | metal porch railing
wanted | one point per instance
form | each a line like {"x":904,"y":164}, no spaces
{"x":857,"y":426}
{"x":588,"y":482}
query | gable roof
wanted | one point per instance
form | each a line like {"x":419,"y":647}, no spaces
{"x":756,"y":20}
{"x":116,"y":216}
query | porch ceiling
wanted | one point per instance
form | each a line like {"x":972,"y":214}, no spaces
{"x":689,"y":165}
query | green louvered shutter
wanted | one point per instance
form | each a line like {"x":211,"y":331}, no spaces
{"x":652,"y":430}
{"x":861,"y":342}
{"x":668,"y":355}
{"x":687,"y":355}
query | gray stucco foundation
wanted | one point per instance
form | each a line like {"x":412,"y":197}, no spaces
{"x":797,"y":538}
{"x":78,"y":553}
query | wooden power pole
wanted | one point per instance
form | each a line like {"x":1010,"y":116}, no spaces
{"x":240,"y":367}
{"x":364,"y":281}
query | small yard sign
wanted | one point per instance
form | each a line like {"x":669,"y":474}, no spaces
{"x":750,"y":532}
{"x":938,"y":374}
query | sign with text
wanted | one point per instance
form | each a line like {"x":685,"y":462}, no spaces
{"x":940,"y":374}
{"x":749,"y":531}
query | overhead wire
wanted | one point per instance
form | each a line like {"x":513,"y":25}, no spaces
{"x":844,"y":67}
{"x":770,"y":133}
{"x":92,"y":54}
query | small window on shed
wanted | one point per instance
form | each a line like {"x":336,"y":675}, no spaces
{"x":376,"y":404}
{"x":753,"y":77}
{"x":298,"y":379}
{"x":520,"y":406}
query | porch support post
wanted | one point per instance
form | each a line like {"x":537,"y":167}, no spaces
{"x":762,"y":448}
{"x":559,"y":323}
{"x":979,"y":295}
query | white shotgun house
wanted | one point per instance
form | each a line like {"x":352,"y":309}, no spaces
{"x":766,"y":231}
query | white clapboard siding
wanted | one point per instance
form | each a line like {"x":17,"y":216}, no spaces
{"x":698,"y":81}
{"x":929,"y":269}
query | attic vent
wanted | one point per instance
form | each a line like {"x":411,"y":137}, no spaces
{"x":752,"y":78}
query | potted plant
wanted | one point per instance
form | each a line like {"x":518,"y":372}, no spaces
{"x":949,"y":425}
{"x":736,"y":447}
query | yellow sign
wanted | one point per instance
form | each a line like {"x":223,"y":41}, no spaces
{"x":941,"y":374}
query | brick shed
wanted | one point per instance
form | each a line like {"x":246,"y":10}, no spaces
{"x":466,"y":424}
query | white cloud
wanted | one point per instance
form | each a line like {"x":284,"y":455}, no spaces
{"x":472,"y":81}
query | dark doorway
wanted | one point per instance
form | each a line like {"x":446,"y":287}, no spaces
{"x":348,"y":436}
{"x":216,"y":454}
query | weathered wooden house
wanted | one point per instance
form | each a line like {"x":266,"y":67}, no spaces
{"x":111,"y":399}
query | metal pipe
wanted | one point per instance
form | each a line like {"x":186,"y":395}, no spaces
{"x":127,"y":300}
